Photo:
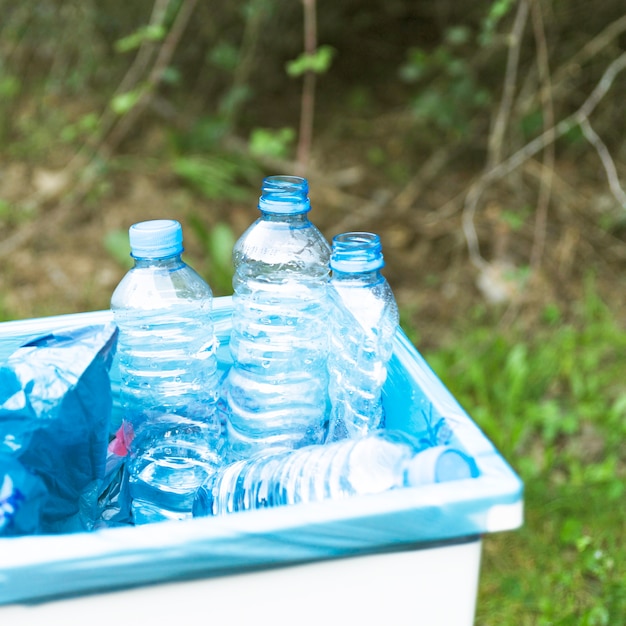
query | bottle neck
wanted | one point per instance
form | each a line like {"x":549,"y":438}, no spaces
{"x":356,"y":253}
{"x":172,"y":261}
{"x":286,"y":195}
{"x":367,"y":277}
{"x":292,"y":218}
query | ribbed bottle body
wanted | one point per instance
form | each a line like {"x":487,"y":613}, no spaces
{"x":169,"y":385}
{"x":167,"y":347}
{"x":370,"y":465}
{"x":363,"y":322}
{"x":171,"y":456}
{"x":275,"y":394}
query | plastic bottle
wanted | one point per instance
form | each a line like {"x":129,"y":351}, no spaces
{"x":276,"y":392}
{"x":363,"y":323}
{"x":168,"y":370}
{"x":374,"y":463}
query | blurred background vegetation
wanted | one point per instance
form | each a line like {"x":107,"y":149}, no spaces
{"x":485,"y":143}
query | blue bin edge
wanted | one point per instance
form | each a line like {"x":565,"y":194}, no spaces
{"x":38,"y":567}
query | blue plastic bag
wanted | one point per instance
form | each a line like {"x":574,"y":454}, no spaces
{"x":55,"y":412}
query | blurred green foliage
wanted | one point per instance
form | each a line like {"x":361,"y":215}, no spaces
{"x":554,"y":404}
{"x":117,"y":245}
{"x":217,"y":243}
{"x":448,"y":92}
{"x":552,"y":400}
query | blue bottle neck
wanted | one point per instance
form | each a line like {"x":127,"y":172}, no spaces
{"x":284,"y":195}
{"x":369,"y":277}
{"x":357,"y":253}
{"x":292,"y":218}
{"x":169,"y":262}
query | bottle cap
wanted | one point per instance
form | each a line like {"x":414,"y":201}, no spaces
{"x":156,"y":239}
{"x":440,"y":464}
{"x":356,"y":252}
{"x":285,"y":195}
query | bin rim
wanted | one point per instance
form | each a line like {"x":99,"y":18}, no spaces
{"x":37,"y":567}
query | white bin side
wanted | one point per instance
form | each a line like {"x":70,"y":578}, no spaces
{"x":424,"y":587}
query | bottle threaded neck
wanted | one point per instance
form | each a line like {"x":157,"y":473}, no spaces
{"x":356,"y":252}
{"x":285,"y":195}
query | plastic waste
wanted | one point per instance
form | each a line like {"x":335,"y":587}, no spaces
{"x":375,"y":463}
{"x":55,"y":412}
{"x":169,"y":374}
{"x":276,"y":392}
{"x":363,"y":324}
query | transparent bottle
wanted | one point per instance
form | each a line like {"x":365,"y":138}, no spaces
{"x":375,"y":463}
{"x":275,"y":393}
{"x":363,"y":323}
{"x":168,"y":371}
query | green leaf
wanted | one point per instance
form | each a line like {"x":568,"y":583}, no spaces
{"x":9,"y":86}
{"x":215,"y":177}
{"x":170,"y":76}
{"x":117,"y":245}
{"x":497,"y":10}
{"x":457,"y":35}
{"x":224,"y":56}
{"x":416,"y":66}
{"x":317,"y":62}
{"x":124,"y":102}
{"x":271,"y":143}
{"x":5,"y":208}
{"x":221,"y":242}
{"x":151,"y":32}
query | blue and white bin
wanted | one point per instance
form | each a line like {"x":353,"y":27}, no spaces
{"x":408,"y":556}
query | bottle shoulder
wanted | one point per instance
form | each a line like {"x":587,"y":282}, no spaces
{"x":362,"y":292}
{"x":281,"y":240}
{"x":152,"y":286}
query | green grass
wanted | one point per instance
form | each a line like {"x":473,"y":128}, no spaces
{"x":554,"y":404}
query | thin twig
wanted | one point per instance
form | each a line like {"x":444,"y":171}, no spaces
{"x":605,"y":156}
{"x":545,"y":185}
{"x":129,"y":81}
{"x":248,"y":48}
{"x":510,"y":79}
{"x":592,"y":47}
{"x":69,"y":201}
{"x":427,"y":172}
{"x":496,"y":136}
{"x":308,"y":88}
{"x":146,"y":50}
{"x":166,"y":51}
{"x":529,"y":150}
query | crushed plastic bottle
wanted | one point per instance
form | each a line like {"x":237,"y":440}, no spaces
{"x":363,"y":323}
{"x":380,"y":461}
{"x":276,"y":392}
{"x":169,"y":374}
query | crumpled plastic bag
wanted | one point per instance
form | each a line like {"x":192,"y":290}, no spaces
{"x":55,"y":413}
{"x":22,"y":495}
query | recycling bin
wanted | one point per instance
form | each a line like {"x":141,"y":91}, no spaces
{"x":407,"y":556}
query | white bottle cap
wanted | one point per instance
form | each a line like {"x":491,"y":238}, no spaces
{"x":156,"y":239}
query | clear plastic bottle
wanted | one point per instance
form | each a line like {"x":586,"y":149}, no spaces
{"x":363,"y":323}
{"x":372,"y":464}
{"x":275,"y":393}
{"x":168,"y":370}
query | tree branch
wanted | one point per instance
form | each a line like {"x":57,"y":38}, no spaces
{"x":510,"y":79}
{"x":538,"y":144}
{"x":308,"y":89}
{"x":605,"y":156}
{"x":545,"y":185}
{"x":164,"y":56}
